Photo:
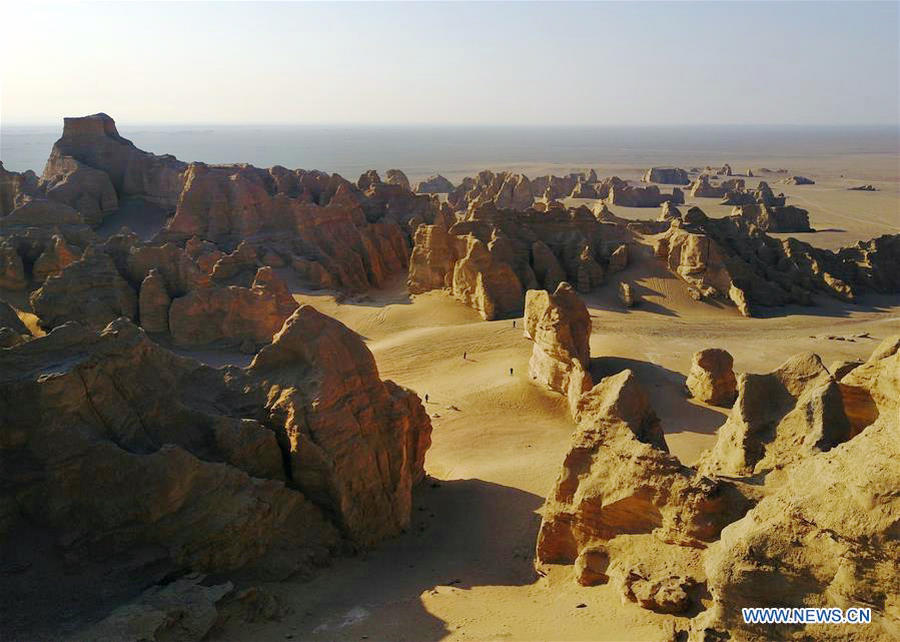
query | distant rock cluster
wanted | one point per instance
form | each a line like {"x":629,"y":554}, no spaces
{"x":488,"y":257}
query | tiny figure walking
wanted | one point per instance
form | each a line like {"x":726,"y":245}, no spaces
{"x":514,"y":323}
{"x":464,"y":356}
{"x":510,"y":372}
{"x":426,"y":397}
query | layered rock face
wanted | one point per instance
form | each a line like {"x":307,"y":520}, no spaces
{"x":560,"y":326}
{"x":666,"y":176}
{"x":117,"y":447}
{"x":733,"y":260}
{"x":489,"y":257}
{"x":711,"y":378}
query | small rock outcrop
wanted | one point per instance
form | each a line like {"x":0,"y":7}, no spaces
{"x":711,"y":378}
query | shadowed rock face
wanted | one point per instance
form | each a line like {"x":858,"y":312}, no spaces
{"x":733,"y":260}
{"x":488,"y":257}
{"x":115,"y":444}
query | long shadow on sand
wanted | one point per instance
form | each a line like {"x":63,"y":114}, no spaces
{"x":668,"y":395}
{"x":830,"y":307}
{"x":464,"y":533}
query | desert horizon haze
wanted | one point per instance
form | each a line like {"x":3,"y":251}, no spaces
{"x":557,"y":63}
{"x":450,"y":321}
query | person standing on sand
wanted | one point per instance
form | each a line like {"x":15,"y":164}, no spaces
{"x":514,"y":323}
{"x":464,"y":356}
{"x":510,"y":372}
{"x":426,"y":397}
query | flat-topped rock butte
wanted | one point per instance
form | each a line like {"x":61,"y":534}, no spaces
{"x":259,"y":403}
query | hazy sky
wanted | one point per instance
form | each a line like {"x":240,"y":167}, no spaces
{"x":523,"y":63}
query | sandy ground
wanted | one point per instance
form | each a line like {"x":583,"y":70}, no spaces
{"x":464,"y":571}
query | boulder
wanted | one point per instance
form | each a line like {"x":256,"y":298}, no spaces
{"x":711,"y":378}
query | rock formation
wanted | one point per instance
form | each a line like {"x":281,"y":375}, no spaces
{"x":733,"y":260}
{"x":507,"y":190}
{"x":619,"y":486}
{"x":666,"y":176}
{"x":235,"y":314}
{"x":778,"y":417}
{"x":396,"y":177}
{"x":774,"y":218}
{"x":798,"y":180}
{"x":436,"y":184}
{"x":488,"y":257}
{"x":824,"y":537}
{"x":560,"y":326}
{"x":12,"y":330}
{"x":649,"y":196}
{"x":120,"y":449}
{"x":89,"y":290}
{"x":711,"y":378}
{"x":702,"y":188}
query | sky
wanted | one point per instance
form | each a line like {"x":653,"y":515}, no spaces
{"x":558,"y":63}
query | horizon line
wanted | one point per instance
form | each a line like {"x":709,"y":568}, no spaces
{"x":193,"y":123}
